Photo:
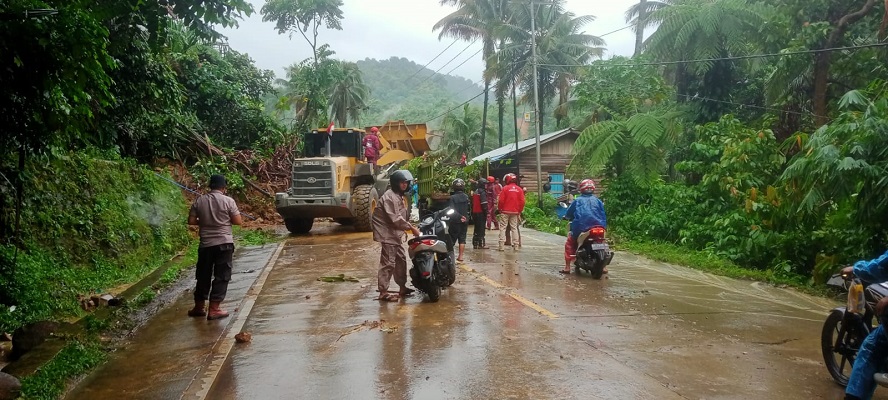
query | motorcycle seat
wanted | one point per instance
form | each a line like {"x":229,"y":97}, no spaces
{"x":422,"y":237}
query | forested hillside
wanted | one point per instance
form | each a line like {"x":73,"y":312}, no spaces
{"x":400,"y":90}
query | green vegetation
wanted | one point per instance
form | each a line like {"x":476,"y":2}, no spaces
{"x":254,"y":237}
{"x":545,"y":220}
{"x":50,"y":380}
{"x":93,"y":221}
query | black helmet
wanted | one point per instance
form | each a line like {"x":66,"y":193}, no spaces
{"x":458,"y":184}
{"x":401,"y":175}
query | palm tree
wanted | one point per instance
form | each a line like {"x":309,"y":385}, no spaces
{"x":476,"y":20}
{"x":562,"y":51}
{"x":349,"y":96}
{"x":637,"y":15}
{"x":461,"y":132}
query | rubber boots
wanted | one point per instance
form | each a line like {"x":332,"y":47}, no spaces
{"x":215,"y":312}
{"x":199,"y":310}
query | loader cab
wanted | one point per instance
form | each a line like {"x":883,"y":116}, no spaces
{"x":343,"y":143}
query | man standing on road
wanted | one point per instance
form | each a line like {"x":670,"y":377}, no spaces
{"x":214,"y":213}
{"x":493,"y":191}
{"x":510,"y":205}
{"x":584,"y":213}
{"x":390,"y":220}
{"x":874,"y":349}
{"x":479,"y":215}
{"x":460,"y":202}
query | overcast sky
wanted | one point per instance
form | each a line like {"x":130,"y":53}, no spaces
{"x":403,"y":28}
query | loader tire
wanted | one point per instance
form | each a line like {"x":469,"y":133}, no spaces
{"x":364,"y":198}
{"x":299,"y":226}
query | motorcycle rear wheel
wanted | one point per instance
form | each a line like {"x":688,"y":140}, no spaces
{"x":839,"y":347}
{"x":433,"y":290}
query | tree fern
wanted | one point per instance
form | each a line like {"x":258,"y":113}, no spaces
{"x":646,"y":129}
{"x":598,"y":143}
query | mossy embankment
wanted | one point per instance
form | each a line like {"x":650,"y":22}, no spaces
{"x":90,"y":222}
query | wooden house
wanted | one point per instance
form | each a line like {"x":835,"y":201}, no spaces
{"x":556,"y":151}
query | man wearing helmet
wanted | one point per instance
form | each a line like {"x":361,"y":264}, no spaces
{"x":584,"y":213}
{"x":493,"y":190}
{"x":510,"y":205}
{"x":389,"y":221}
{"x":460,"y":202}
{"x":372,"y":147}
{"x":479,"y":215}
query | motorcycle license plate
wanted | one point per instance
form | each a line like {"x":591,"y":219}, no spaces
{"x":599,"y":246}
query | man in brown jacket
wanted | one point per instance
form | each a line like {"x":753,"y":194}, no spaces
{"x":214,"y":213}
{"x":390,"y":221}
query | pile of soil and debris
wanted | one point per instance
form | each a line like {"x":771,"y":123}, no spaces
{"x":262,"y":177}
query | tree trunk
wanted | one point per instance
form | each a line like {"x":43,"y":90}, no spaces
{"x":484,"y":113}
{"x":639,"y":27}
{"x":823,"y":60}
{"x":515,"y":113}
{"x":884,"y":25}
{"x":500,"y":105}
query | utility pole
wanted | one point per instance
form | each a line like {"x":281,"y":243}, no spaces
{"x":536,"y":103}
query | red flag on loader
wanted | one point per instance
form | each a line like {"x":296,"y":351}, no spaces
{"x":330,"y":129}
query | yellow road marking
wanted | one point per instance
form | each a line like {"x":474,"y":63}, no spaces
{"x":521,"y":299}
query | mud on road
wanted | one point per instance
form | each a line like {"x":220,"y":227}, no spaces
{"x":511,"y":327}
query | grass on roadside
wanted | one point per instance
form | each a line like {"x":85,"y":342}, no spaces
{"x":254,"y":237}
{"x":50,"y":381}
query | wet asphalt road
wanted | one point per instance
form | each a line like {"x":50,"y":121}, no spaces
{"x":511,"y":327}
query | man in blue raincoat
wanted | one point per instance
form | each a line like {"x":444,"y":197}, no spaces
{"x":874,"y":349}
{"x":584,"y":213}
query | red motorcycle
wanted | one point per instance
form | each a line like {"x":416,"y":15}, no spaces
{"x":593,"y":252}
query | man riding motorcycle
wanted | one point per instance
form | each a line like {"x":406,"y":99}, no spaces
{"x":874,"y":349}
{"x":584,"y":213}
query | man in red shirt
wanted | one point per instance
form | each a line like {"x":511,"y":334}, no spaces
{"x":372,"y":146}
{"x":510,"y":205}
{"x":493,"y":190}
{"x":479,"y":215}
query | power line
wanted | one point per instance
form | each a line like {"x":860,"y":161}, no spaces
{"x":454,"y":108}
{"x":621,"y":29}
{"x":446,"y":64}
{"x":469,"y":87}
{"x":433,"y":60}
{"x":788,"y":53}
{"x":695,"y":97}
{"x":461,"y":64}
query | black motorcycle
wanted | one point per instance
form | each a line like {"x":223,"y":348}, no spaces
{"x":846,"y":327}
{"x":593,"y":252}
{"x":431,"y":253}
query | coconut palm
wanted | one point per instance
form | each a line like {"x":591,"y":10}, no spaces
{"x":476,"y":20}
{"x":348,"y":98}
{"x":562,"y":51}
{"x":637,"y":15}
{"x":461,"y":132}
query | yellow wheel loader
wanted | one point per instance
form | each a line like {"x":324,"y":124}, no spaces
{"x":333,"y":180}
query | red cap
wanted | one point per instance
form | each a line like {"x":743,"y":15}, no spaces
{"x":374,"y":129}
{"x":491,"y":179}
